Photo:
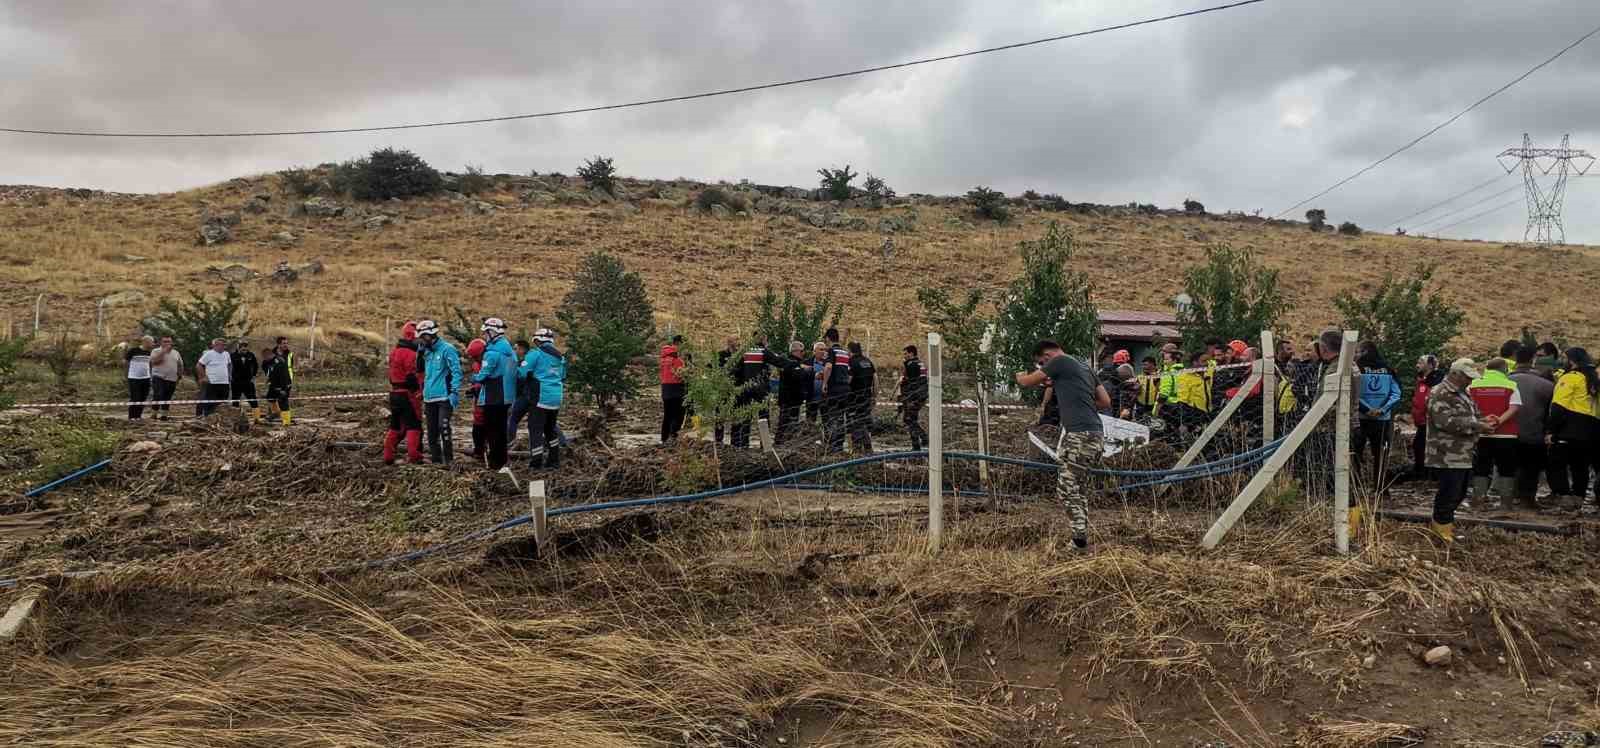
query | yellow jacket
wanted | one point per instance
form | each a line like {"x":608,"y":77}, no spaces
{"x":1194,"y":391}
{"x":1572,"y":393}
{"x":1286,"y":401}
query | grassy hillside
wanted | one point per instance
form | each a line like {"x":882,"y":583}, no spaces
{"x":703,"y":271}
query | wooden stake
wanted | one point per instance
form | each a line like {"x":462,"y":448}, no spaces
{"x":1341,"y":449}
{"x":1269,"y":388}
{"x":541,"y":518}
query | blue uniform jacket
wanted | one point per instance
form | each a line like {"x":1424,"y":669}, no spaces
{"x":548,"y":367}
{"x":498,"y":375}
{"x":441,"y":374}
{"x":1380,"y":391}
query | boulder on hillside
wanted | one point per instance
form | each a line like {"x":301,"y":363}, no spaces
{"x":378,"y":222}
{"x":234,"y":273}
{"x":285,"y":239}
{"x":320,"y":207}
{"x":212,"y":234}
{"x":795,"y":193}
{"x":257,"y":204}
{"x":718,"y":210}
{"x":481,"y":208}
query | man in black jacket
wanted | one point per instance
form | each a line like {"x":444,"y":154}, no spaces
{"x":913,"y":389}
{"x":794,"y":390}
{"x":728,"y":363}
{"x":863,"y":378}
{"x":243,"y":385}
{"x":753,"y":379}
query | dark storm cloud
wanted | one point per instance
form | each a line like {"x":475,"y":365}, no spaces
{"x":1252,"y":108}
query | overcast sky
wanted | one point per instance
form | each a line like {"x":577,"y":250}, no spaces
{"x":1253,"y":108}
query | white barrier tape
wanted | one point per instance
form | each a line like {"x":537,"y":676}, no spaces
{"x":153,"y":403}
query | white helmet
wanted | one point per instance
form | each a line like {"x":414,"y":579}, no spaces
{"x":544,"y":335}
{"x":427,"y":327}
{"x":494,"y":326}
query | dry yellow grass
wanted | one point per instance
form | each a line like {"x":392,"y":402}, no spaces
{"x":703,"y":272}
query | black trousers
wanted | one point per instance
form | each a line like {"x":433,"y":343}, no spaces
{"x":544,"y":439}
{"x":403,"y":415}
{"x":1372,"y":436}
{"x":788,"y":421}
{"x":911,"y":415}
{"x":245,"y":391}
{"x":1452,"y":490}
{"x":1531,"y":460}
{"x":814,"y":410}
{"x":1495,"y":455}
{"x":211,"y":392}
{"x":835,"y":422}
{"x":495,"y":418}
{"x":671,"y":417}
{"x":439,"y":444}
{"x":161,"y":390}
{"x":138,"y":392}
{"x":279,"y":395}
{"x":1570,"y":462}
{"x":860,"y":415}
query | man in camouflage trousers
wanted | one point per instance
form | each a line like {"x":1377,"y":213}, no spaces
{"x":1453,"y":428}
{"x":1079,"y":399}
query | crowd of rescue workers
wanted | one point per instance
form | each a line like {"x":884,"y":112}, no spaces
{"x":1496,"y":431}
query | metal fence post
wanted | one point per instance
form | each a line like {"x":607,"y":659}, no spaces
{"x":935,"y":442}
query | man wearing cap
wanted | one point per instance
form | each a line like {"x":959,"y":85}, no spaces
{"x":1454,"y":424}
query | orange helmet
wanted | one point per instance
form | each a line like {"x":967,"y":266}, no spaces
{"x":1121,"y":357}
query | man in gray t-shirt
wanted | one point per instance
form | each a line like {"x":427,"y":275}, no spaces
{"x":1079,"y":398}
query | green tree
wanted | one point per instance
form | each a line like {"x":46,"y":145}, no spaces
{"x":1048,"y":301}
{"x":836,"y":182}
{"x":598,"y":358}
{"x":878,"y":191}
{"x":787,"y":318}
{"x":10,"y":352}
{"x":1404,"y":317}
{"x":604,"y":290}
{"x":193,"y":325}
{"x":1232,"y":296}
{"x":599,"y":174}
{"x":963,"y":327}
{"x":390,"y":173}
{"x":989,"y":203}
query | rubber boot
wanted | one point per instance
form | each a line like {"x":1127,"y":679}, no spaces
{"x":553,"y":456}
{"x":414,"y":447}
{"x":390,"y":439}
{"x":1447,"y":533}
{"x":255,"y":414}
{"x":288,"y":417}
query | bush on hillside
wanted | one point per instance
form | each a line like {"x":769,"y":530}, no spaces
{"x":1317,"y":218}
{"x":717,"y":196}
{"x":387,"y":173}
{"x":1048,"y":301}
{"x":604,"y":292}
{"x":299,"y":182}
{"x":989,"y":203}
{"x":1349,"y":228}
{"x":599,"y":174}
{"x":1030,"y":195}
{"x":473,"y":181}
{"x":1404,"y":317}
{"x":598,"y":356}
{"x":836,"y":182}
{"x":878,"y":191}
{"x":195,"y":324}
{"x":1193,"y":207}
{"x":1232,"y":296}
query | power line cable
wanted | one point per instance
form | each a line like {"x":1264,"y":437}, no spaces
{"x":1442,"y":125}
{"x":645,"y":102}
{"x":1474,"y":217}
{"x":1450,"y":199}
{"x":1458,"y":211}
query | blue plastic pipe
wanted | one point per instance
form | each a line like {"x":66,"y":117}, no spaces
{"x":65,"y":479}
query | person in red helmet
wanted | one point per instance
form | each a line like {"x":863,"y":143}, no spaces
{"x":475,"y":356}
{"x":405,"y":415}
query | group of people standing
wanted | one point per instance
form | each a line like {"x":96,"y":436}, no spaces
{"x":830,"y":384}
{"x":506,"y":383}
{"x":221,"y":376}
{"x":1494,"y":430}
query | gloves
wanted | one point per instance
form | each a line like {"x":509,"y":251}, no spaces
{"x":455,"y":402}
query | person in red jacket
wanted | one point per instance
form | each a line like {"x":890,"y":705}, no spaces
{"x":475,"y":355}
{"x":672,"y":365}
{"x":1428,"y":376}
{"x":405,"y":411}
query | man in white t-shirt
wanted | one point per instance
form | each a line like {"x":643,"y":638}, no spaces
{"x":138,"y":360}
{"x":214,"y":373}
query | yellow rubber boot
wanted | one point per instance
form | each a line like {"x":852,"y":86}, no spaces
{"x":1447,"y":533}
{"x":288,"y":417}
{"x":255,"y":414}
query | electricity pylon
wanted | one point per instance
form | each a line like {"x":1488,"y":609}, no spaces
{"x":1544,"y":205}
